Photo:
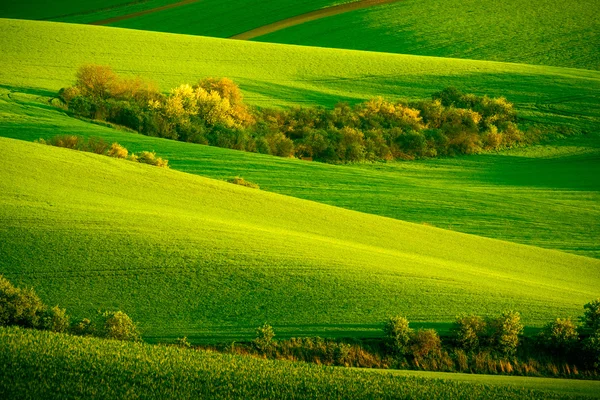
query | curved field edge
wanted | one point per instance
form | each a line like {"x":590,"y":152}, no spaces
{"x":45,"y":56}
{"x":542,"y":32}
{"x":526,"y":195}
{"x":42,"y":364}
{"x":186,"y":255}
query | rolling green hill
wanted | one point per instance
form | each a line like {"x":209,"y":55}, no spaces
{"x":527,"y":196}
{"x":186,"y":255}
{"x":130,"y":370}
{"x":545,"y":32}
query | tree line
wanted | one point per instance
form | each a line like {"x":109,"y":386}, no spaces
{"x":213,"y":112}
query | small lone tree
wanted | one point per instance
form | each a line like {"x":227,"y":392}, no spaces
{"x":467,"y":330}
{"x":505,"y":331}
{"x":264,"y":337}
{"x":397,"y":333}
{"x":118,"y":325}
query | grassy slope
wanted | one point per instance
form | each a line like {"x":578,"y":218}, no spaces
{"x":186,"y":255}
{"x":43,"y":55}
{"x":527,"y":196}
{"x":535,"y":31}
{"x":46,"y":365}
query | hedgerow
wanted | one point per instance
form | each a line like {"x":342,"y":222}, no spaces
{"x":213,"y":112}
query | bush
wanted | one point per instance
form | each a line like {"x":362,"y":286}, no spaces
{"x":467,"y":331}
{"x":20,"y":307}
{"x":591,"y":315}
{"x":96,"y":145}
{"x":264,"y":337}
{"x":149,"y":157}
{"x":397,"y":334}
{"x":242,"y":182}
{"x":118,"y":325}
{"x":83,"y":328}
{"x":505,"y":331}
{"x":425,"y":343}
{"x":56,"y":320}
{"x":117,"y":151}
{"x":559,"y":336}
{"x":592,"y":347}
{"x":183,"y":342}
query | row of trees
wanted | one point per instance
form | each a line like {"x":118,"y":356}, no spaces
{"x":213,"y":112}
{"x":23,"y":307}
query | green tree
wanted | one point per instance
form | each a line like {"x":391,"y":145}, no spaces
{"x":118,"y":325}
{"x":505,"y":332}
{"x":56,"y":320}
{"x":397,"y":334}
{"x":264,"y":337}
{"x":467,"y":331}
{"x":425,"y":343}
{"x":560,"y":335}
{"x":591,"y":315}
{"x":18,"y":306}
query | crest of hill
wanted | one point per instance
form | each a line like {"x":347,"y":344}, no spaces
{"x":543,"y":32}
{"x":186,"y":255}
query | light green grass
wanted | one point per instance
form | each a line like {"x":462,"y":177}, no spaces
{"x":545,"y":196}
{"x":546,"y":32}
{"x":53,"y":366}
{"x":45,"y":56}
{"x":186,"y":255}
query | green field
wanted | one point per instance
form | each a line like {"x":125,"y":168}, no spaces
{"x":186,"y":255}
{"x":41,"y":9}
{"x":544,"y":32}
{"x":109,"y":369}
{"x":524,"y":195}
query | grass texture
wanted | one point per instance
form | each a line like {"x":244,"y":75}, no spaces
{"x":44,"y":56}
{"x":544,"y":32}
{"x":53,"y":366}
{"x":545,"y":195}
{"x":186,"y":255}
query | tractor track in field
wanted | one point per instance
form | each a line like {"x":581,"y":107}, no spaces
{"x":144,"y":12}
{"x":310,"y":16}
{"x":263,"y":30}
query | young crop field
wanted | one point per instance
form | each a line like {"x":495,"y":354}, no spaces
{"x":525,"y":195}
{"x":186,"y":255}
{"x":130,"y":370}
{"x":545,"y":32}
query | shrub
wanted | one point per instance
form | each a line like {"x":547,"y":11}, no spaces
{"x":183,"y":342}
{"x":96,"y":145}
{"x":592,"y":347}
{"x":117,"y":151}
{"x":242,"y":182}
{"x":83,"y":328}
{"x":425,"y":343}
{"x":56,"y":320}
{"x":467,"y":331}
{"x":559,"y":336}
{"x":264,"y":337}
{"x":505,"y":331}
{"x":73,"y":142}
{"x":118,"y":325}
{"x":397,"y":334}
{"x":149,"y":157}
{"x":591,"y":315}
{"x":18,"y":306}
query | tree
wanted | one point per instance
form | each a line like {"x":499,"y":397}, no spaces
{"x":118,"y":325}
{"x":559,"y":336}
{"x":591,"y":315}
{"x":96,"y":81}
{"x":397,"y":334}
{"x":264,"y":337}
{"x":467,"y":330}
{"x":18,"y":306}
{"x":505,"y":331}
{"x":425,"y":343}
{"x":56,"y":320}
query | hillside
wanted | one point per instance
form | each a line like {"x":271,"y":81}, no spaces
{"x":186,"y":255}
{"x":525,"y":195}
{"x":541,"y":32}
{"x":125,"y":370}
